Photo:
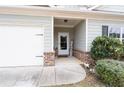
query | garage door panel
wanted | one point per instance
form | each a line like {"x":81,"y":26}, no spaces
{"x":19,"y":46}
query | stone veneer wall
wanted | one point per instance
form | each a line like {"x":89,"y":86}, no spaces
{"x":83,"y":56}
{"x":49,"y":58}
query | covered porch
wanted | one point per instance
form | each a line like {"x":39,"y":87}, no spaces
{"x":70,"y":38}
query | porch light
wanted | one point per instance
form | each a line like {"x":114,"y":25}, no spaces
{"x":65,"y":20}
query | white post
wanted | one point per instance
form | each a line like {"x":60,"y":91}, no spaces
{"x":71,"y":47}
{"x":121,"y":34}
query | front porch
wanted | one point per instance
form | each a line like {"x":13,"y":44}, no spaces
{"x":66,"y":32}
{"x":70,"y":38}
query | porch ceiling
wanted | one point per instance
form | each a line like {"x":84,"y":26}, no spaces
{"x":66,"y":22}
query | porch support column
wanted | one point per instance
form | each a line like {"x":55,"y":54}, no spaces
{"x":49,"y":55}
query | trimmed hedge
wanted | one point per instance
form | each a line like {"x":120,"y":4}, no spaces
{"x":106,"y":47}
{"x":111,"y":72}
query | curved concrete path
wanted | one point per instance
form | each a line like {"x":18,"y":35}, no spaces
{"x":66,"y":71}
{"x":69,"y":71}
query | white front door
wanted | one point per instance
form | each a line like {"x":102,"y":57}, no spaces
{"x":63,"y":43}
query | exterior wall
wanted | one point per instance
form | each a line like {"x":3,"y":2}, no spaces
{"x":61,"y":29}
{"x":84,"y":57}
{"x":80,"y":44}
{"x":48,"y":35}
{"x":80,"y":36}
{"x":95,"y":28}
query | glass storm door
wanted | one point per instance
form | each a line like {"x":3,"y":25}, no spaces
{"x":63,"y":43}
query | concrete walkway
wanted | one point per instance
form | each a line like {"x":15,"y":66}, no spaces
{"x":66,"y":71}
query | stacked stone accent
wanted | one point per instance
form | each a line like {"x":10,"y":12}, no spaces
{"x":83,"y":56}
{"x":56,"y":52}
{"x":49,"y":58}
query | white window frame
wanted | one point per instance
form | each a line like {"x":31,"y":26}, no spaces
{"x":121,"y":34}
{"x":121,"y":31}
{"x":121,"y":28}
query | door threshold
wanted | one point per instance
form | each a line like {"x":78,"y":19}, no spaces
{"x":63,"y":55}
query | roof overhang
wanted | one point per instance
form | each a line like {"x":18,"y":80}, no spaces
{"x":55,"y":12}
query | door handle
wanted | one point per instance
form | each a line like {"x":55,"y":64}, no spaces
{"x":39,"y":34}
{"x":38,"y":56}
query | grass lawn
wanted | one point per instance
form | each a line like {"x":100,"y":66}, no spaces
{"x":90,"y":81}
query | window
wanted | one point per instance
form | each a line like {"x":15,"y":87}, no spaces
{"x":122,"y":35}
{"x":112,"y":31}
{"x":104,"y":30}
{"x":63,"y":42}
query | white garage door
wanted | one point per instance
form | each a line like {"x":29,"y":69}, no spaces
{"x":21,"y":45}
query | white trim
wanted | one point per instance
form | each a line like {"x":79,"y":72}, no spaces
{"x":110,"y":26}
{"x":52,"y":34}
{"x":43,"y":43}
{"x":94,"y":7}
{"x":23,"y":22}
{"x":121,"y":34}
{"x":61,"y":52}
{"x":68,"y":26}
{"x":101,"y":19}
{"x":86,"y":35}
{"x":64,"y":10}
{"x":52,"y":5}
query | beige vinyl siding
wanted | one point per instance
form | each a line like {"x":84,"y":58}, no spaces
{"x":95,"y":28}
{"x":80,"y":36}
{"x":45,"y":22}
{"x":62,"y":29}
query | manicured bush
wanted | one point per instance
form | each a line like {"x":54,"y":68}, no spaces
{"x":106,"y":47}
{"x":111,"y":72}
{"x":122,"y":54}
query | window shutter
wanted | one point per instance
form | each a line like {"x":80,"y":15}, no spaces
{"x":104,"y":30}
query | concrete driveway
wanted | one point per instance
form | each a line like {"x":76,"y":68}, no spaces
{"x":66,"y":71}
{"x":19,"y":76}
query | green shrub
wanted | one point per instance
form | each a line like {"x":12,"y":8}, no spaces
{"x":106,"y":47}
{"x":122,"y":54}
{"x":111,"y":72}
